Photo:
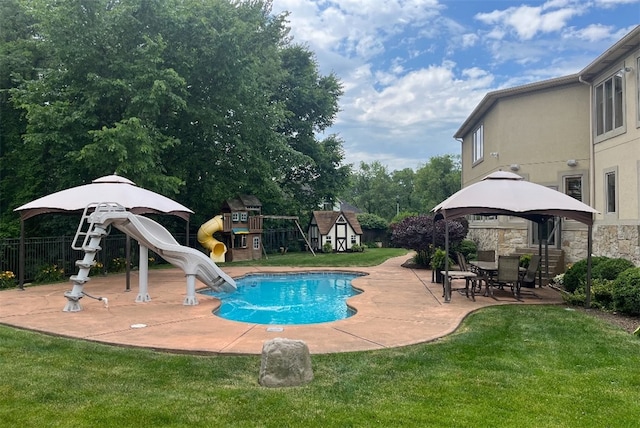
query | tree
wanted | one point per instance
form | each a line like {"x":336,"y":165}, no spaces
{"x":437,"y":180}
{"x":199,"y":101}
{"x":372,"y":190}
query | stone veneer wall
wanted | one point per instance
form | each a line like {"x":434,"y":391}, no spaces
{"x":617,"y":241}
{"x":608,"y":240}
{"x":502,"y":241}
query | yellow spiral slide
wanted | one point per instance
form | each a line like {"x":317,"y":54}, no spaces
{"x":206,"y":239}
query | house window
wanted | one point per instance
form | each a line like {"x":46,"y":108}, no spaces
{"x":328,"y":239}
{"x":235,"y":217}
{"x":573,"y":187}
{"x":243,"y":217}
{"x":610,"y":192}
{"x":353,"y":239}
{"x":478,"y":144}
{"x":609,"y":105}
{"x":256,"y":242}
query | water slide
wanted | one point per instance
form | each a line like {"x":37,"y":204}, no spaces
{"x":206,"y":239}
{"x":149,"y":234}
{"x":193,"y":262}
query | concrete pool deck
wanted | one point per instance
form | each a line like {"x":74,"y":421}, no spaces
{"x":399,"y":307}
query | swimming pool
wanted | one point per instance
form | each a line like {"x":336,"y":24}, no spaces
{"x":288,"y":299}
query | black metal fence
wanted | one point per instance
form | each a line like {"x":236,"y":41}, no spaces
{"x":43,"y":253}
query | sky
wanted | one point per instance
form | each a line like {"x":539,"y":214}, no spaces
{"x":413,"y":70}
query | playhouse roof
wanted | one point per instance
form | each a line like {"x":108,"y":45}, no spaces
{"x":326,"y":219}
{"x":244,"y":203}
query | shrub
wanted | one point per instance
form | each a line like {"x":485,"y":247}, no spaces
{"x":626,"y":292}
{"x":118,"y":264}
{"x":602,"y":293}
{"x":355,"y":248}
{"x":610,"y":268}
{"x":7,"y":279}
{"x":577,"y":274}
{"x":327,"y":247}
{"x":525,"y":259}
{"x":49,"y":273}
{"x":467,"y":248}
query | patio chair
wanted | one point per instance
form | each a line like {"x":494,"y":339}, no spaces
{"x":528,"y":280}
{"x":463,"y":273}
{"x":508,"y":274}
{"x":486,"y":256}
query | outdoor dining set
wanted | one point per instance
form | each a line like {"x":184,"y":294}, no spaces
{"x":494,"y":274}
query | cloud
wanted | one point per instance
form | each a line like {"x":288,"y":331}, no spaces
{"x":527,"y":21}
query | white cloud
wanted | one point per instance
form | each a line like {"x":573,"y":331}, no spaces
{"x":412,"y":70}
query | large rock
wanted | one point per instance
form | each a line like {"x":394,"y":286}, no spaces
{"x":285,"y":362}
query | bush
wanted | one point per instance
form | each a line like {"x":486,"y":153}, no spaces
{"x":49,"y":273}
{"x":525,"y":259}
{"x":626,"y":292}
{"x":577,"y":274}
{"x":327,"y":247}
{"x":7,"y":279}
{"x":355,"y":248}
{"x":467,"y":248}
{"x":610,"y":268}
{"x":602,"y":293}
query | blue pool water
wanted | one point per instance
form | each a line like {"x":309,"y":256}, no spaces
{"x":293,"y":298}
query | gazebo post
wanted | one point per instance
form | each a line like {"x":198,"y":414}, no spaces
{"x":447,"y":284}
{"x":587,"y":291}
{"x":21,"y":256}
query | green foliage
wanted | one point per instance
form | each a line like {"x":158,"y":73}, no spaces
{"x":438,"y":260}
{"x":437,"y":180}
{"x":118,"y":264}
{"x":355,"y":248}
{"x":327,"y":247}
{"x":371,"y":221}
{"x":7,"y":279}
{"x":602,"y":291}
{"x":49,"y":273}
{"x":525,"y":259}
{"x":577,"y":273}
{"x":626,"y":292}
{"x":185,"y":98}
{"x":467,"y":248}
{"x":610,"y":268}
{"x":422,"y":258}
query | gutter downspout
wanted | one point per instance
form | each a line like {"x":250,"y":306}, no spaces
{"x":592,"y":192}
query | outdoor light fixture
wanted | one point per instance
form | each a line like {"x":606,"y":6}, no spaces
{"x":493,"y":154}
{"x":514,"y":167}
{"x":627,"y":70}
{"x":572,"y":162}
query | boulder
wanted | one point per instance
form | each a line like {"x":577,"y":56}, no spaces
{"x":285,"y":362}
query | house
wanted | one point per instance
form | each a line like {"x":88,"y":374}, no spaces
{"x":578,"y":134}
{"x":341,"y":229}
{"x":242,"y":228}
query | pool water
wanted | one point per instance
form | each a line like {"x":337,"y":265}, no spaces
{"x":288,"y":299}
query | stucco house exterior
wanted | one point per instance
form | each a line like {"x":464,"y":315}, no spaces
{"x":578,"y":134}
{"x":339,"y":228}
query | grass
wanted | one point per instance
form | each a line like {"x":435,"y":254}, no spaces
{"x":525,"y":366}
{"x":370,"y":257}
{"x":513,"y":365}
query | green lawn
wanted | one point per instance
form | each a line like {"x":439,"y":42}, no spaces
{"x":506,"y":366}
{"x":370,"y":257}
{"x":524,"y":366}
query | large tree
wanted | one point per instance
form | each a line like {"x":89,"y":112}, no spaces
{"x":198,"y":100}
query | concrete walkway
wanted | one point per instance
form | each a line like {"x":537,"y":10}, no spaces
{"x":399,"y":306}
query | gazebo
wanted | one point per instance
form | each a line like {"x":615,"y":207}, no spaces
{"x":506,"y":193}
